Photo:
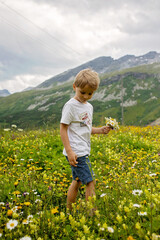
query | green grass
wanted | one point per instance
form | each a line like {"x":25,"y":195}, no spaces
{"x":35,"y":177}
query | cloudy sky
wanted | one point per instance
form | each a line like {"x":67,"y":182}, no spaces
{"x":42,"y":38}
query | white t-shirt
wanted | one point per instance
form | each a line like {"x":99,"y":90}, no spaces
{"x":79,"y":118}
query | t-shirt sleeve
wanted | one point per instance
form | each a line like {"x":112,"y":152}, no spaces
{"x":67,"y":114}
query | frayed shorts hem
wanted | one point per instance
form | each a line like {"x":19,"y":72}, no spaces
{"x":86,"y":181}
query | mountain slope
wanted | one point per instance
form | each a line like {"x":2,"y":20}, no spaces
{"x":134,"y":90}
{"x":103,"y":65}
{"x":4,"y":93}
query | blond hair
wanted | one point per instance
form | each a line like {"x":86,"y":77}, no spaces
{"x":87,"y":76}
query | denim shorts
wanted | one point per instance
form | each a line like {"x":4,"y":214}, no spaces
{"x":83,"y":172}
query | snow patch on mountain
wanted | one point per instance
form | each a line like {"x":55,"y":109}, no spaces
{"x":129,"y":103}
{"x":152,"y":98}
{"x":140,"y":87}
{"x":33,"y":106}
{"x":99,"y":95}
{"x":46,"y":108}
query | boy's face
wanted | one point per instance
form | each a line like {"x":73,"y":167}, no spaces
{"x":83,"y":94}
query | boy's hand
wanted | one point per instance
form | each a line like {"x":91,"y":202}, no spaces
{"x":72,"y":157}
{"x":101,"y":130}
{"x":105,"y":129}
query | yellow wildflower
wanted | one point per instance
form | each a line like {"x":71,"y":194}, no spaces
{"x":15,"y":215}
{"x":54,"y":210}
{"x":119,"y":218}
{"x":86,"y":229}
{"x":126,"y":209}
{"x":130,"y":238}
{"x":82,"y":220}
{"x":138,"y":226}
{"x":25,"y":221}
{"x":97,"y":213}
{"x":104,"y":225}
{"x":16,"y":192}
{"x":124,"y":226}
{"x":27,"y":203}
{"x":62,"y":216}
{"x":9,"y":212}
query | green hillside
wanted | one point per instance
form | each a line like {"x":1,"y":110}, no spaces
{"x":134,"y":91}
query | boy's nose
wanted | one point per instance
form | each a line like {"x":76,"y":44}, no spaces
{"x":85,"y":96}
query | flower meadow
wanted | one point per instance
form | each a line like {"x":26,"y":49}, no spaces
{"x":35,"y":177}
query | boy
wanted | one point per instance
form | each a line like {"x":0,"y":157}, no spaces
{"x":75,"y":130}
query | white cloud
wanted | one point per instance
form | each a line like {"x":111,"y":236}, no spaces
{"x":21,"y":82}
{"x":45,"y":37}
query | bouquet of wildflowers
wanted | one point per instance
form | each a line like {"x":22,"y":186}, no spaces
{"x":111,"y":122}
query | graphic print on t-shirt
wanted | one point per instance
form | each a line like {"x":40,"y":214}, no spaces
{"x":85,"y":119}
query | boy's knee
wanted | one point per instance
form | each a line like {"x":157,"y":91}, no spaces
{"x":92,"y":183}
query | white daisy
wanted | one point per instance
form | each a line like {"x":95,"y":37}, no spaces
{"x":7,"y":129}
{"x":26,"y":238}
{"x":154,"y":161}
{"x":14,"y":209}
{"x":20,"y":129}
{"x":137,"y":192}
{"x":152,"y":174}
{"x":101,"y":229}
{"x":155,"y":237}
{"x":12,"y":224}
{"x":29,"y":217}
{"x":142,"y":213}
{"x":103,"y":194}
{"x":14,"y":126}
{"x":110,"y":229}
{"x":136,"y":205}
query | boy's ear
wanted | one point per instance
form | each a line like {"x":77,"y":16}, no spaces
{"x":74,"y":87}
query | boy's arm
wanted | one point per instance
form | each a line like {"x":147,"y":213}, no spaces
{"x":65,"y":140}
{"x":101,"y":130}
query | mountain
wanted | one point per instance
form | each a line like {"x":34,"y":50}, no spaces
{"x":103,"y":65}
{"x":133,"y":91}
{"x":4,"y":93}
{"x":27,"y":89}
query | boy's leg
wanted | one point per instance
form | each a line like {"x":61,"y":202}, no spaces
{"x":72,"y":193}
{"x":90,"y":189}
{"x":90,"y":192}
